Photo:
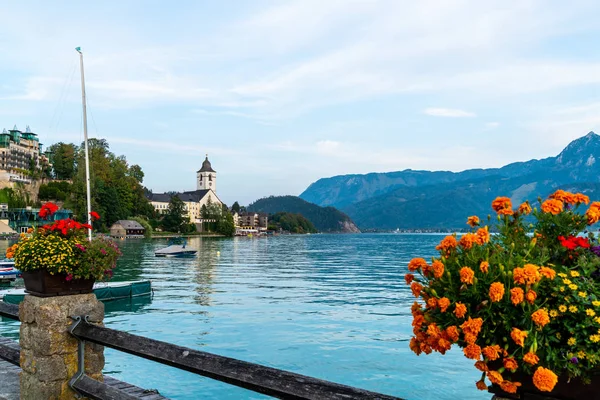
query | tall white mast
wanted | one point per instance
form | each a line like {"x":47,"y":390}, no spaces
{"x":85,"y":138}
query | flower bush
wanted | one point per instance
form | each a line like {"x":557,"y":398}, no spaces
{"x":523,"y":302}
{"x":63,"y":248}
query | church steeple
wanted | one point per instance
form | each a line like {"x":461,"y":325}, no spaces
{"x":206,"y":177}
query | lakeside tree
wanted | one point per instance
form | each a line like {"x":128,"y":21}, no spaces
{"x":62,"y":157}
{"x":174,"y":219}
{"x":235,"y":207}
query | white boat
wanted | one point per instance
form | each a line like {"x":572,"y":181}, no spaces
{"x":175,"y":250}
{"x":8,"y":273}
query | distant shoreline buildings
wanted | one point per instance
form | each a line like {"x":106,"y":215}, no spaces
{"x":20,"y":152}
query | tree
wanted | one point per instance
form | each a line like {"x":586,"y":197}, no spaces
{"x":174,"y":219}
{"x":225,"y":225}
{"x":135,"y":171}
{"x":235,"y":207}
{"x":62,"y":158}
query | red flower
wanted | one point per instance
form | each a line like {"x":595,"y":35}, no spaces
{"x":94,"y":215}
{"x":573,"y":242}
{"x":48,"y":210}
{"x":582,"y":242}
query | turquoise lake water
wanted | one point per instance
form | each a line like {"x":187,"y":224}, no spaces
{"x":335,"y":307}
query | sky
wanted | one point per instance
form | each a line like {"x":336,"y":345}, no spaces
{"x":282,"y":93}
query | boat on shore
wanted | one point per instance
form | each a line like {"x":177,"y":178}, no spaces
{"x":104,"y":291}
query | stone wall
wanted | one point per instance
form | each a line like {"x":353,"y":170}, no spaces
{"x":49,"y":351}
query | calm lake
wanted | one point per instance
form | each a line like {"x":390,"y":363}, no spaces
{"x":335,"y":307}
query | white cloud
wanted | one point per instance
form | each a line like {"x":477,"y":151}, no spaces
{"x":491,"y":125}
{"x":448,"y":112}
{"x":328,"y":147}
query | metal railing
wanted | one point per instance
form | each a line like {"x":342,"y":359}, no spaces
{"x":259,"y":378}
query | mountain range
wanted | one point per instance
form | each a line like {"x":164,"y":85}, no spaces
{"x":443,"y":200}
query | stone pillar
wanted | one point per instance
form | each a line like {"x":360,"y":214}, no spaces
{"x":49,"y":351}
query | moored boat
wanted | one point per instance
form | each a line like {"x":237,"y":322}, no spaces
{"x":177,"y":248}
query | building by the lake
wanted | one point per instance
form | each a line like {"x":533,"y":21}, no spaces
{"x":19,"y":152}
{"x":127,"y":229}
{"x":205,"y":194}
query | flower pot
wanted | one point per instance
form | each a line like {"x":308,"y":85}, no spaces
{"x":574,"y":389}
{"x":41,"y":283}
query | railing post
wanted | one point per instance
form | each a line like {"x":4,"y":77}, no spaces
{"x":48,"y":350}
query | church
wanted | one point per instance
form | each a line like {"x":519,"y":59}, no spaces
{"x":205,"y":193}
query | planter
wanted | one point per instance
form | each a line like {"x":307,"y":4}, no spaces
{"x":564,"y":390}
{"x":40,"y":283}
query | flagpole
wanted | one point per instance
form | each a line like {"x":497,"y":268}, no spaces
{"x":87,"y":154}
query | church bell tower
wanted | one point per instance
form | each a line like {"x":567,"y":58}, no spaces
{"x":206,"y":177}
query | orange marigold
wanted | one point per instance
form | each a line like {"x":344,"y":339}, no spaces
{"x":495,"y":377}
{"x":483,"y":235}
{"x":530,"y":296}
{"x":472,"y":351}
{"x":473,"y":220}
{"x":472,"y":326}
{"x":552,"y":206}
{"x":443,"y":345}
{"x":525,"y":208}
{"x":415,"y":346}
{"x":449,"y":242}
{"x":438,"y":269}
{"x":460,"y":310}
{"x":433,"y":330}
{"x":443,"y":304}
{"x":581,"y":198}
{"x":593,"y":213}
{"x":484,"y":267}
{"x":409,"y":278}
{"x":510,"y":363}
{"x":496,"y":291}
{"x":562,"y":195}
{"x":452,"y":333}
{"x":540,"y":317}
{"x":432,"y":302}
{"x":492,"y":353}
{"x":544,"y":379}
{"x":466,"y":241}
{"x":529,"y":274}
{"x":416,"y":263}
{"x":516,"y":295}
{"x":481,"y":385}
{"x":467,"y":275}
{"x":470,"y":338}
{"x":482,"y":366}
{"x":547,"y":272}
{"x":518,"y":336}
{"x":501,"y":203}
{"x":531,"y":358}
{"x":416,"y":288}
{"x":509,"y":387}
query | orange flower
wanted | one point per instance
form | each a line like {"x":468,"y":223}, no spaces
{"x":540,"y":317}
{"x":472,"y":326}
{"x":482,"y":366}
{"x":443,"y":304}
{"x":547,"y":272}
{"x":495,"y":377}
{"x":409,"y":278}
{"x":496,"y":291}
{"x":509,"y":387}
{"x":510,"y":363}
{"x":481,"y":385}
{"x":452,"y":332}
{"x":518,"y":336}
{"x":525,"y":208}
{"x":544,"y":379}
{"x":443,"y":345}
{"x":530,"y":296}
{"x":529,"y":274}
{"x":516,"y":295}
{"x":531,"y":358}
{"x":416,"y":308}
{"x":552,"y":206}
{"x":467,"y":275}
{"x":593,"y":213}
{"x":492,"y":352}
{"x":434,"y":331}
{"x":416,"y":288}
{"x":581,"y":198}
{"x":416,"y":263}
{"x":501,"y":203}
{"x":472,"y":351}
{"x":449,"y":242}
{"x":484,"y":267}
{"x":414,"y":346}
{"x":467,"y":240}
{"x":473,"y":221}
{"x":438,"y":269}
{"x":460,"y":310}
{"x":470,"y":338}
{"x":432,"y":302}
{"x":483,"y":235}
{"x":562,"y":195}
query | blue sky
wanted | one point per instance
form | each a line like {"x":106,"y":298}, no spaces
{"x":282,"y":93}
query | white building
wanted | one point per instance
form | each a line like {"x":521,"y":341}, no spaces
{"x":205,"y":193}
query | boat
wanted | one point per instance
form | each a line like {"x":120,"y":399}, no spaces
{"x":104,"y":291}
{"x":176,"y":248}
